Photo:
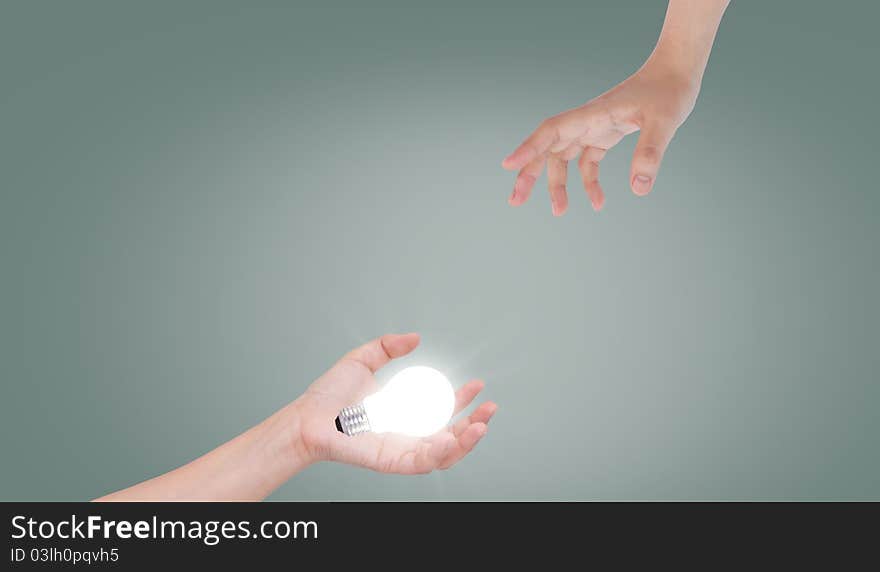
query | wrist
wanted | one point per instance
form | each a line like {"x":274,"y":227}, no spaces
{"x":673,"y":64}
{"x":687,"y":36}
{"x":281,"y":444}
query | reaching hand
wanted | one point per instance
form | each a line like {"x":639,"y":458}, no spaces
{"x":656,"y":100}
{"x":348,"y":382}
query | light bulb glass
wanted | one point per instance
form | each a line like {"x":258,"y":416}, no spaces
{"x":418,"y":401}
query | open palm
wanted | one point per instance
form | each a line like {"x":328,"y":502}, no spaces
{"x":348,"y":382}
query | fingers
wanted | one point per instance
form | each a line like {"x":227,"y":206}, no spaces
{"x":376,"y":353}
{"x":466,"y":393}
{"x":394,"y":453}
{"x":469,"y":439}
{"x":468,"y":431}
{"x":444,"y":449}
{"x":557,"y":175}
{"x":432,"y":452}
{"x":407,"y":455}
{"x":464,"y":444}
{"x":654,"y":139}
{"x":440,"y":451}
{"x":554,"y":134}
{"x":482,"y":414}
{"x":556,"y":141}
{"x":537,"y":144}
{"x":385,"y":452}
{"x":571,"y":151}
{"x":588,"y":165}
{"x":525,"y":181}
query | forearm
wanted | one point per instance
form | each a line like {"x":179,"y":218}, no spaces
{"x":688,"y":34}
{"x":248,"y":467}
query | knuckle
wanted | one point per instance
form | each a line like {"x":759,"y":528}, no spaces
{"x":666,"y":116}
{"x":527,"y":178}
{"x":650,"y":154}
{"x":591,"y":157}
{"x":550,"y":126}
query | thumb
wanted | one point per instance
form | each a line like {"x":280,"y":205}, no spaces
{"x":347,"y":384}
{"x":654,"y":139}
{"x":377,"y":353}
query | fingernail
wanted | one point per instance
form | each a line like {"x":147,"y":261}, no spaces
{"x":512,"y":196}
{"x":641,"y":184}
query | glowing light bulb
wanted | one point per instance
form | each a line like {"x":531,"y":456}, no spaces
{"x":418,"y":402}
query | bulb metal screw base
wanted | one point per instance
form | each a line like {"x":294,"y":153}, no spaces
{"x":353,"y":420}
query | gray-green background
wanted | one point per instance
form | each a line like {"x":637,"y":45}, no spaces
{"x":205,"y":204}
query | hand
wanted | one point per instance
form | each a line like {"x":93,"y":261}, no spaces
{"x":255,"y":463}
{"x":656,"y":100}
{"x":348,"y":382}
